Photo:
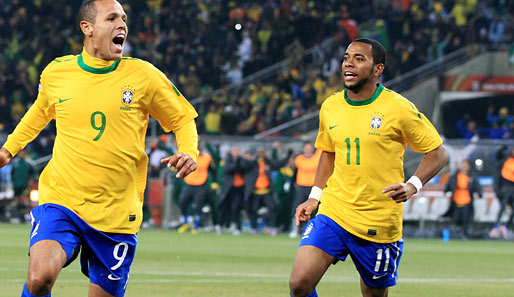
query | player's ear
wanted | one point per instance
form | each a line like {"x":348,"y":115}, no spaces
{"x":87,"y":28}
{"x":379,"y":68}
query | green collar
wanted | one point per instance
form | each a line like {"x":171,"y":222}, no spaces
{"x":94,"y":70}
{"x":364,"y":102}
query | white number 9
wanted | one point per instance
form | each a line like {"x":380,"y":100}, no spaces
{"x":123,"y":255}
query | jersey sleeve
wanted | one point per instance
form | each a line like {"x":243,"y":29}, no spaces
{"x":418,"y":131}
{"x":36,"y":118}
{"x":187,"y":139}
{"x":168,"y":105}
{"x":323,"y":140}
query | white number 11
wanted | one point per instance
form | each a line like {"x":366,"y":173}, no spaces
{"x":379,"y":259}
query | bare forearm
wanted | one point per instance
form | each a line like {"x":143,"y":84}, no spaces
{"x":325,"y":169}
{"x":431,"y":164}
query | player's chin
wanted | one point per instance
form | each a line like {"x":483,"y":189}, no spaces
{"x":116,"y":52}
{"x":349,"y":85}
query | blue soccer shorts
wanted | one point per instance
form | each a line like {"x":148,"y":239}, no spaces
{"x":377,"y":263}
{"x":105,"y":257}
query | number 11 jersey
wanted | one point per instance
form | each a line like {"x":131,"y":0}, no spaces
{"x":369,"y":139}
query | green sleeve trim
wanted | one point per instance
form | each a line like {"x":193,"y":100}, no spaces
{"x":174,"y":88}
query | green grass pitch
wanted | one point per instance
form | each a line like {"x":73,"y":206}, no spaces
{"x":185,"y":265}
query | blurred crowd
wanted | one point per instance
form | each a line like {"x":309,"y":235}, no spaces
{"x":208,"y":45}
{"x":498,"y":123}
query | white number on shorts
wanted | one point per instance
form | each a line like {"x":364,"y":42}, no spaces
{"x":117,"y":257}
{"x":379,"y":259}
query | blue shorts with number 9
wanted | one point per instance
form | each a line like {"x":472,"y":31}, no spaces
{"x":105,"y":257}
{"x":377,"y":263}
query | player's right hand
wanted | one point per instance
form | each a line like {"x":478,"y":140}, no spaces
{"x":304,"y":210}
{"x":5,"y":157}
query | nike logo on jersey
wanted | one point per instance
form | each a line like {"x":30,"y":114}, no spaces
{"x":332,"y":127}
{"x":111,"y":277}
{"x":378,"y":276}
{"x":63,"y":100}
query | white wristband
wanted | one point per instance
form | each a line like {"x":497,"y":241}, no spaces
{"x":315,"y":193}
{"x":416,"y":182}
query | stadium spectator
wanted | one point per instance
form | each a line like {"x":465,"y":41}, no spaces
{"x":6,"y":191}
{"x":496,"y":29}
{"x":183,"y":37}
{"x":467,"y":128}
{"x":158,"y":150}
{"x":262,"y":194}
{"x":194,"y":193}
{"x":23,"y":174}
{"x":305,"y":166}
{"x":506,"y":189}
{"x":90,"y":193}
{"x":212,"y":120}
{"x":232,"y":193}
{"x":462,"y":187}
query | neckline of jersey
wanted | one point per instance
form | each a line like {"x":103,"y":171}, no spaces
{"x":370,"y":100}
{"x":94,"y":70}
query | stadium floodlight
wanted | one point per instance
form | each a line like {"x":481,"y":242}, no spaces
{"x":479,"y":164}
{"x":34,"y":195}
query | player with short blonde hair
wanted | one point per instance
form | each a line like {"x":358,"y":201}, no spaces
{"x":91,"y":191}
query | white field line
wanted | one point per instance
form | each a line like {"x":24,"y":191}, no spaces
{"x":224,"y":277}
{"x":341,"y":280}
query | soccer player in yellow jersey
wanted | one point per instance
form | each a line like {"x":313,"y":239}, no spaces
{"x":91,"y":192}
{"x":363,"y":132}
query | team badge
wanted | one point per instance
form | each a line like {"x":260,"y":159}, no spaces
{"x":127,"y":95}
{"x":377,"y":120}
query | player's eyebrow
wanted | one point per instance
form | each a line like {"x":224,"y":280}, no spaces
{"x":356,"y":55}
{"x":115,"y":14}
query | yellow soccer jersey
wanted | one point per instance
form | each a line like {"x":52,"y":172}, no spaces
{"x":369,"y":139}
{"x":101,"y":108}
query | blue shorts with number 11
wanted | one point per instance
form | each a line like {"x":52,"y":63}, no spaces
{"x":105,"y":257}
{"x":377,"y":263}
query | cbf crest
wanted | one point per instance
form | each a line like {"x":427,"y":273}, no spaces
{"x":376,"y":122}
{"x":127,"y":95}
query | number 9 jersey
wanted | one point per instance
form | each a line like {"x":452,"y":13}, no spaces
{"x":369,"y":139}
{"x":98,"y":168}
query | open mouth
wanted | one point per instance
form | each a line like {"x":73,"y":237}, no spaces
{"x":349,"y":75}
{"x":118,"y":40}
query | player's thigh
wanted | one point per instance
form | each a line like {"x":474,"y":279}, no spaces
{"x":368,"y":291}
{"x":54,"y":241}
{"x":309,"y":265}
{"x":47,"y":257}
{"x":97,"y":291}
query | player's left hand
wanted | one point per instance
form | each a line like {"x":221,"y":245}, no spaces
{"x":400,"y":192}
{"x":182,"y":163}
